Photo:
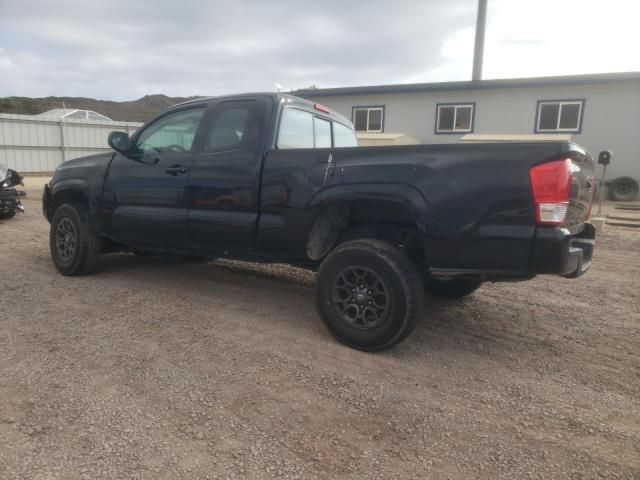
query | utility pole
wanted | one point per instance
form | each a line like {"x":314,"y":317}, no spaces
{"x":478,"y":51}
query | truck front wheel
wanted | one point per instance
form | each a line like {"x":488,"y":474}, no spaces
{"x":75,"y":246}
{"x":369,"y":294}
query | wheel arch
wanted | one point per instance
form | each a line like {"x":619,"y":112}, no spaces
{"x":67,"y":191}
{"x":392,"y":212}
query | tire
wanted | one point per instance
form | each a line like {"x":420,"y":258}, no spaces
{"x":391,"y":298}
{"x":624,"y":189}
{"x":7,"y":215}
{"x":451,"y":288}
{"x":74,"y":244}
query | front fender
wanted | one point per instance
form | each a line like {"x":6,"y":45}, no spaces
{"x":64,"y":184}
{"x":67,"y":190}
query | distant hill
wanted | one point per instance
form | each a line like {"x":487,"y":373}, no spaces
{"x":139,"y":110}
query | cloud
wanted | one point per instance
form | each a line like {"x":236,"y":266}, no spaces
{"x":122,"y":50}
{"x":548,"y":37}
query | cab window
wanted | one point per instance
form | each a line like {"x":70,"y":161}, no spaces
{"x":173,"y":133}
{"x":296,"y":129}
{"x":344,"y":136}
{"x":322,"y":132}
{"x":230,"y":125}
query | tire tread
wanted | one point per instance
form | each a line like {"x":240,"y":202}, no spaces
{"x":408,"y":274}
{"x":89,"y":243}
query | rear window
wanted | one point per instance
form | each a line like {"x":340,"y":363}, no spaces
{"x":344,"y":136}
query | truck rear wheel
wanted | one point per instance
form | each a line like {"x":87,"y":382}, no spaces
{"x":369,"y":294}
{"x":624,"y":189}
{"x":450,"y":288}
{"x":74,"y":245}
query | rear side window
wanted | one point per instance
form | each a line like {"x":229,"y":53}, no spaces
{"x":296,"y":129}
{"x":344,"y":136}
{"x":229,"y":126}
{"x":322,"y":129}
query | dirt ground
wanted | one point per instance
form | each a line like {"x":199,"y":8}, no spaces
{"x":159,"y":369}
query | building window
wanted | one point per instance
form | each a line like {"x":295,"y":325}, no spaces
{"x":454,"y":118}
{"x":368,"y":119}
{"x":559,"y":116}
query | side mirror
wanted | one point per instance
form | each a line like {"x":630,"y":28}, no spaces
{"x":119,"y":141}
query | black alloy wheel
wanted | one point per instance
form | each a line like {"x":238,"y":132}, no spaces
{"x":66,"y":239}
{"x":362,"y":297}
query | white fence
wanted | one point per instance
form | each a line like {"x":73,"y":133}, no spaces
{"x":31,"y":144}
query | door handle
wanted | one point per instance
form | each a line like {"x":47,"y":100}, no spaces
{"x":176,"y":170}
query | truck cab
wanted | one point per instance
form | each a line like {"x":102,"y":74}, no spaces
{"x":191,"y":177}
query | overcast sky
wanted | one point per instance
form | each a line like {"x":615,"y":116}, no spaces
{"x":124,"y":49}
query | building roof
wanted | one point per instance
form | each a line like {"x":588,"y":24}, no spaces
{"x":471,"y":85}
{"x":75,"y":114}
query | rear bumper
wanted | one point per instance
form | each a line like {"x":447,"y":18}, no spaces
{"x":557,"y":251}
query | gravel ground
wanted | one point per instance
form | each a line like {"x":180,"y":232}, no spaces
{"x":163,"y":370}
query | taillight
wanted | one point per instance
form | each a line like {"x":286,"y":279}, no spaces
{"x":551,"y":185}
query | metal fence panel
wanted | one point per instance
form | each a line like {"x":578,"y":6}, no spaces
{"x":32,"y":144}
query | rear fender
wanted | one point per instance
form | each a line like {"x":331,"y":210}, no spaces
{"x":406,"y":195}
{"x":337,"y":210}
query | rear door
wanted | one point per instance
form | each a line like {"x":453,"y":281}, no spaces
{"x":224,"y":184}
{"x":147,"y":192}
{"x":300,"y":165}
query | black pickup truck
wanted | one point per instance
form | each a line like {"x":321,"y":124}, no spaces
{"x":275,"y":178}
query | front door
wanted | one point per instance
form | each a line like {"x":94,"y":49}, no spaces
{"x":146,"y":190}
{"x":223,"y":192}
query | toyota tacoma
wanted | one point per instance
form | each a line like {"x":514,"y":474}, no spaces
{"x":276,"y":178}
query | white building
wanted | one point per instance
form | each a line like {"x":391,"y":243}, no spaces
{"x":74,"y":113}
{"x":598,"y":111}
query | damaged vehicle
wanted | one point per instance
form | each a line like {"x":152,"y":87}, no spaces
{"x":275,"y":178}
{"x":10,"y":203}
